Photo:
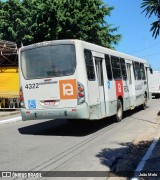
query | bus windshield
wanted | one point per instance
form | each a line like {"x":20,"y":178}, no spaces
{"x":48,"y":61}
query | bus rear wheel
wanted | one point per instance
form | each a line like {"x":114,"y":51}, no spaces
{"x":119,"y":112}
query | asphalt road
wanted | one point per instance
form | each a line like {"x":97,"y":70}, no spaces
{"x":56,"y":145}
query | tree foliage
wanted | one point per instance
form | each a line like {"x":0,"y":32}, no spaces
{"x":151,"y":7}
{"x":31,"y":21}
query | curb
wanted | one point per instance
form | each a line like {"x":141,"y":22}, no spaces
{"x":9,"y":114}
{"x":10,"y":120}
{"x":4,"y":121}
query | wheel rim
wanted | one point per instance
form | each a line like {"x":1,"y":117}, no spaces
{"x":119,"y":111}
{"x":145,"y":100}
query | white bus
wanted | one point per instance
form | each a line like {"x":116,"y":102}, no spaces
{"x":74,"y":79}
{"x":155,"y":84}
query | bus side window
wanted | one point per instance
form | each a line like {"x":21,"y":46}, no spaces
{"x":89,"y":65}
{"x":108,"y":67}
{"x":137,"y":71}
{"x":142,"y":71}
{"x":123,"y":68}
{"x":116,"y":67}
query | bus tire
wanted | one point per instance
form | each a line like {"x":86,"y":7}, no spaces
{"x":119,"y":113}
{"x":144,"y":105}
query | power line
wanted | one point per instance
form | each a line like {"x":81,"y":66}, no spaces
{"x":150,"y":55}
{"x":144,"y":48}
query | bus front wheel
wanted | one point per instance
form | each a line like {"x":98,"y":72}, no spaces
{"x":119,"y":112}
{"x":144,"y":105}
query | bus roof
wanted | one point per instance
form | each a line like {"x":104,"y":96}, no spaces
{"x":93,"y":47}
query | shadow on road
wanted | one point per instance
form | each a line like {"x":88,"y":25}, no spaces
{"x":123,"y":161}
{"x":61,"y":127}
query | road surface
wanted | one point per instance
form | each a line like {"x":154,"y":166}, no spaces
{"x":56,"y":145}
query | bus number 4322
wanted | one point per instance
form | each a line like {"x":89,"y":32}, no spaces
{"x":32,"y":86}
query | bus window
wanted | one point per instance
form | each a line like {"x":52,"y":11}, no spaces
{"x":123,"y":68}
{"x":137,"y":71}
{"x":142,"y":71}
{"x":116,"y":67}
{"x":48,"y":61}
{"x":99,"y":70}
{"x":89,"y":65}
{"x":108,"y":67}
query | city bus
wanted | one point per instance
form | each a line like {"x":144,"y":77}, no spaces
{"x":74,"y":79}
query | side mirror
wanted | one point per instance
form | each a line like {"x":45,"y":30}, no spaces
{"x":151,"y":70}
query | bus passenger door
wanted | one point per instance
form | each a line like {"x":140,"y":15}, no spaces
{"x":131,"y":89}
{"x":100,"y":77}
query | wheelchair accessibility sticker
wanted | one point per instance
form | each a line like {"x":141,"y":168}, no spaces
{"x":108,"y":84}
{"x":32,"y":104}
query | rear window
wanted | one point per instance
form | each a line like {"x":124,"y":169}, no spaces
{"x":48,"y":61}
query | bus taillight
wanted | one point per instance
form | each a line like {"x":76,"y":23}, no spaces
{"x":80,"y":88}
{"x":81,"y":93}
{"x":21,"y":97}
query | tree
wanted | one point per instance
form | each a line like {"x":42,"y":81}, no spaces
{"x":153,"y":7}
{"x":86,"y":20}
{"x":12,"y":21}
{"x":44,"y":20}
{"x":31,"y":21}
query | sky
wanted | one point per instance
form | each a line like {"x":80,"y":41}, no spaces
{"x":134,"y":27}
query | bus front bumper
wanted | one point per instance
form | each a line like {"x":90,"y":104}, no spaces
{"x":79,"y":112}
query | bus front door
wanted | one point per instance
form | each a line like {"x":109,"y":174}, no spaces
{"x":131,"y":89}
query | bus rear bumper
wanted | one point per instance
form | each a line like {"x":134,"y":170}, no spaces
{"x":79,"y":112}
